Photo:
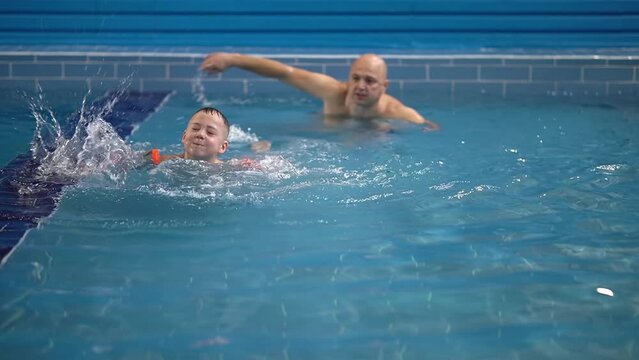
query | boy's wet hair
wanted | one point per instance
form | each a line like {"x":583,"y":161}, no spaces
{"x":213,"y":111}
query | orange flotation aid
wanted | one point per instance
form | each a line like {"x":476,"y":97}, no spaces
{"x":155,"y":157}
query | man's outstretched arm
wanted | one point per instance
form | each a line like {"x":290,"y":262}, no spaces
{"x":315,"y":84}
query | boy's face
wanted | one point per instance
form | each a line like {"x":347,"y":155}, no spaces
{"x":205,"y":137}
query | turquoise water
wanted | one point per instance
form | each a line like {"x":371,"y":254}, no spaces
{"x":485,"y":240}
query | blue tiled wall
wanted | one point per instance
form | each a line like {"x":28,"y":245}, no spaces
{"x":361,"y":24}
{"x":501,"y":76}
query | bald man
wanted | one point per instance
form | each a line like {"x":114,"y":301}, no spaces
{"x":362,"y":96}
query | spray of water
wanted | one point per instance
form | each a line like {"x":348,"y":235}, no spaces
{"x":47,"y":130}
{"x":199,"y":92}
{"x":89,"y":146}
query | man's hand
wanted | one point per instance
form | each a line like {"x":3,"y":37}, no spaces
{"x":431,"y":127}
{"x":217,"y":62}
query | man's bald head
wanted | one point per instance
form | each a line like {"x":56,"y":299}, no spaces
{"x":372,"y":63}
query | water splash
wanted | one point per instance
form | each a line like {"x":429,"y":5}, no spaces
{"x":231,"y":182}
{"x":47,"y":130}
{"x":237,"y":135}
{"x":199,"y":92}
{"x":88,"y":145}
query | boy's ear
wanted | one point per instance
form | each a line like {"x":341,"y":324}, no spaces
{"x":224,"y":147}
{"x":183,"y":137}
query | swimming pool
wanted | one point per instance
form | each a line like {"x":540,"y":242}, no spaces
{"x":487,"y":239}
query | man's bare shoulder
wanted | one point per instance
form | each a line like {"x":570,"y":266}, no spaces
{"x":340,"y":91}
{"x":390,"y":101}
{"x":335,"y":102}
{"x":393,"y":108}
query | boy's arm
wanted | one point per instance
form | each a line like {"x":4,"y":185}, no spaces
{"x":154,"y":157}
{"x":316,"y":84}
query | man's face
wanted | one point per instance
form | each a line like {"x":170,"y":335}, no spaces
{"x":367,"y":82}
{"x":205,"y":137}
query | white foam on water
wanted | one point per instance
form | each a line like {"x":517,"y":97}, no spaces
{"x":237,"y":135}
{"x":234,"y":181}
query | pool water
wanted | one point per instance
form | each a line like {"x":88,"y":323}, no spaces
{"x":487,"y":239}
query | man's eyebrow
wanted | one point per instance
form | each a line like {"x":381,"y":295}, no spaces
{"x":364,"y":73}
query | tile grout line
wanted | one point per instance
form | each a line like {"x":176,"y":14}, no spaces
{"x":501,"y":57}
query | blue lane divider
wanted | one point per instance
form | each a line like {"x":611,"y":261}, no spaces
{"x":20,"y":211}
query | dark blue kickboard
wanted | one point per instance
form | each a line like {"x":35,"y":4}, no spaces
{"x":20,"y":212}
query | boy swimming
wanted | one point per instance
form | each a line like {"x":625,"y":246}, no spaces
{"x":205,"y":138}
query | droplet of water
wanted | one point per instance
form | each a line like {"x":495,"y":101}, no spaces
{"x":605,"y":291}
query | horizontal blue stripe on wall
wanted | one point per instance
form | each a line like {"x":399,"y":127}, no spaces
{"x":357,"y":23}
{"x":308,"y":6}
{"x":315,"y":23}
